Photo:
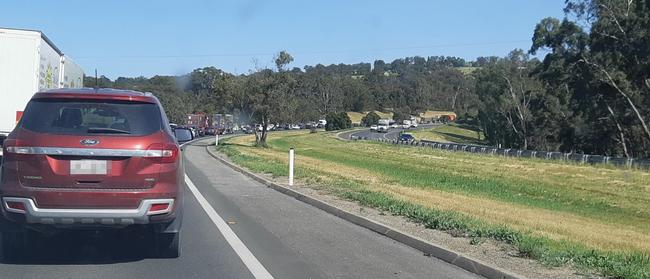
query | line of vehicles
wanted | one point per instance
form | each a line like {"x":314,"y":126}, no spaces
{"x":386,"y":124}
{"x":320,"y":124}
{"x":202,"y":124}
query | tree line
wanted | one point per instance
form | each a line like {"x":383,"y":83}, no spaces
{"x":283,"y":95}
{"x":589,"y":93}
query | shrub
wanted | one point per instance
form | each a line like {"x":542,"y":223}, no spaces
{"x":371,"y":118}
{"x":337,"y":121}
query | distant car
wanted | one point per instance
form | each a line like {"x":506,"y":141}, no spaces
{"x":295,"y":127}
{"x":394,"y":126}
{"x":374,"y":128}
{"x":406,"y":137}
{"x":406,"y":126}
{"x":382,"y":128}
{"x":414,"y":124}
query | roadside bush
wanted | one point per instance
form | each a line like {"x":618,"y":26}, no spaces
{"x":337,"y":121}
{"x":402,"y":114}
{"x":371,"y":118}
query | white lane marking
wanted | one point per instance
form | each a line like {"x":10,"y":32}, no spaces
{"x":253,"y":265}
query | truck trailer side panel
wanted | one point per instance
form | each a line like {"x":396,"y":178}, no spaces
{"x":18,"y":73}
{"x":49,"y":70}
{"x":73,"y":75}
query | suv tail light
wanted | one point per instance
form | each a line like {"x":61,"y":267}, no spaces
{"x":162,"y":153}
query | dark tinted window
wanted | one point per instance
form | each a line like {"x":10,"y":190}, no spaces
{"x":183,"y":135}
{"x":75,"y":117}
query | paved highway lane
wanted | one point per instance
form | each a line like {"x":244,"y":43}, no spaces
{"x":288,"y":238}
{"x":205,"y":254}
{"x":392,"y":134}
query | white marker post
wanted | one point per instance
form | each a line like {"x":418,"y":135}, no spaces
{"x":216,"y":139}
{"x":291,"y":155}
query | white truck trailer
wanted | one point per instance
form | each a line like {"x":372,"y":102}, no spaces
{"x":30,"y":62}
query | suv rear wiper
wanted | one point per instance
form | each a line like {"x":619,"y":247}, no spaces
{"x":99,"y":130}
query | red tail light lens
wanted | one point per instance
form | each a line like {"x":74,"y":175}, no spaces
{"x":160,"y":208}
{"x":17,"y":207}
{"x":162,"y":153}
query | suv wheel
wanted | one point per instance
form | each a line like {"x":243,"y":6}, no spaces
{"x":168,"y":245}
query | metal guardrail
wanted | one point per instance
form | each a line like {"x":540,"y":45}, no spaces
{"x":510,"y":152}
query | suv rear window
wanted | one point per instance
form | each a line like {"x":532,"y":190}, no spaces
{"x":84,"y":117}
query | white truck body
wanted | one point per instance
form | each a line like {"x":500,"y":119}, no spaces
{"x":414,"y":122}
{"x":73,"y":74}
{"x":30,"y":62}
{"x":406,"y":124}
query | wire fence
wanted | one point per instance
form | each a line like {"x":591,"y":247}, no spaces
{"x":511,"y":152}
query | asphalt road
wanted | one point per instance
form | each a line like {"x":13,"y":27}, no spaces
{"x":283,"y":236}
{"x":392,"y":134}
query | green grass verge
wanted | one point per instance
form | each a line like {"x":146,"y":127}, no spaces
{"x":621,"y":264}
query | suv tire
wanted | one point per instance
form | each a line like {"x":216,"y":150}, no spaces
{"x":167,"y":245}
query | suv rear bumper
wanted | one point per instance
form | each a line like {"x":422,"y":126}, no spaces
{"x":104,"y":217}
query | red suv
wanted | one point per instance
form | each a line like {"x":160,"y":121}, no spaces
{"x":92,"y":158}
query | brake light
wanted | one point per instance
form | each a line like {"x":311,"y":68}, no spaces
{"x":162,"y":153}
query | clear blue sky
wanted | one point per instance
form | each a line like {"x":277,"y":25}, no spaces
{"x":134,"y":38}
